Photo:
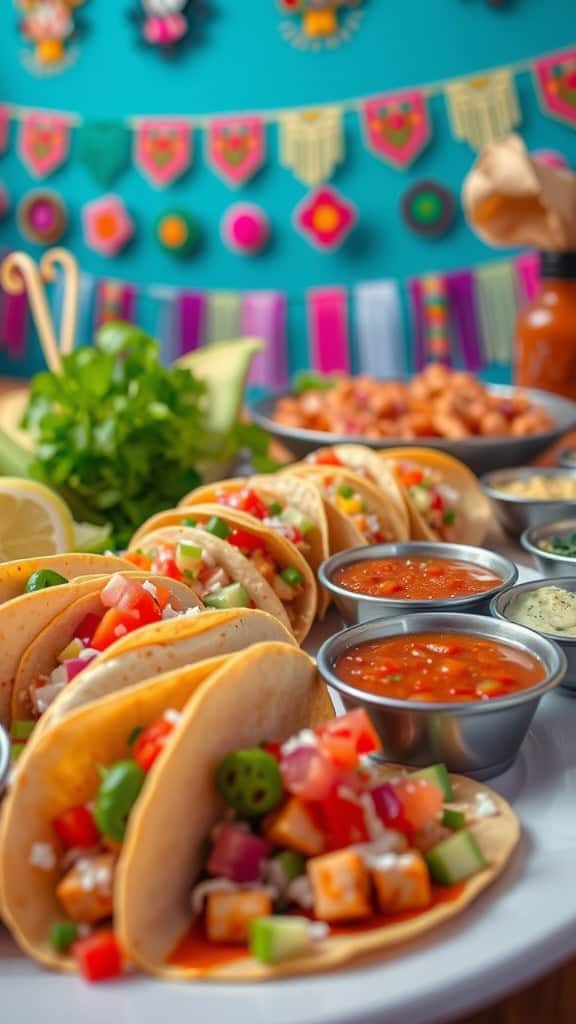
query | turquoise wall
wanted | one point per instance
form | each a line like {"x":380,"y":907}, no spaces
{"x":242,"y":63}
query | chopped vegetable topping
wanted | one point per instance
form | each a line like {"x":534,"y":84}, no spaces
{"x":42,"y":579}
{"x":250,"y":782}
{"x":118,"y":792}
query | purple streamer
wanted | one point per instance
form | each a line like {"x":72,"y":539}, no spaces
{"x":462,"y":300}
{"x":190,"y":322}
{"x":263,"y":316}
{"x":14,"y":324}
{"x":528,"y":275}
{"x":418,"y":325}
{"x":128,"y":303}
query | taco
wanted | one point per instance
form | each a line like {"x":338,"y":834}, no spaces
{"x":362,"y":461}
{"x":98,"y":613}
{"x":77,"y":798}
{"x":358,"y":513}
{"x":281,"y":570}
{"x":339,"y":857}
{"x":443,"y":497}
{"x":162,"y":647}
{"x":30,"y":574}
{"x":289,"y":505}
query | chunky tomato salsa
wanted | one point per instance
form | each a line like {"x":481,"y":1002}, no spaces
{"x":439,"y":667}
{"x":415,"y":579}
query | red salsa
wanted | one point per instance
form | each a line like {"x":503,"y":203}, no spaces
{"x":415,"y":579}
{"x":439,"y":667}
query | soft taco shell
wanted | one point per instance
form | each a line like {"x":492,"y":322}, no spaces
{"x":344,"y":534}
{"x":291,"y":490}
{"x":366,"y":463}
{"x":473,"y":506}
{"x":300,"y":613}
{"x":42,"y":654}
{"x":181,"y":806}
{"x":15,"y":575}
{"x":164,"y":647}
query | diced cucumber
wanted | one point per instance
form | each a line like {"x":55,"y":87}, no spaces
{"x":437,"y":774}
{"x":188,"y":558}
{"x":421,"y":497}
{"x":455,"y":859}
{"x":299,"y":520}
{"x":273,"y":939}
{"x":293,"y":577}
{"x":346,"y":491}
{"x":292,"y":864}
{"x":22,"y":729}
{"x":63,"y":935}
{"x":233,"y":596}
{"x":218,"y":527}
{"x":453,"y":819}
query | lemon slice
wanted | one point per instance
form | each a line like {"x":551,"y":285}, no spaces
{"x":34,"y":521}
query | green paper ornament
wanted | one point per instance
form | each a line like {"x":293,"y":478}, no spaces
{"x":177,"y":232}
{"x":104,"y":147}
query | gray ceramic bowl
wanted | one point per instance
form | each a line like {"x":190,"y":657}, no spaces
{"x":500,"y":605}
{"x":4,"y":758}
{"x":567,"y":458}
{"x":517,"y":514}
{"x":481,"y":454}
{"x":480,"y":739}
{"x":547,"y":562}
{"x":355,"y":608}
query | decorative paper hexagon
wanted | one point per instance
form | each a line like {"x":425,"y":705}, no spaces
{"x":325,"y":218}
{"x":108,"y":227}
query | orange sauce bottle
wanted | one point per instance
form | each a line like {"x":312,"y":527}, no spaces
{"x":546,"y":329}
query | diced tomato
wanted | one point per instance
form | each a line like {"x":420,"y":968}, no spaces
{"x":411,"y":476}
{"x":137,"y":558}
{"x":163,"y":596}
{"x":245,"y":541}
{"x":326,"y":457}
{"x":343,"y":821}
{"x":85,"y":630}
{"x":273,"y":748}
{"x":389,"y":808}
{"x":151,"y":743}
{"x":421,"y":801}
{"x":437,"y":503}
{"x":252,"y":504}
{"x":115,"y":624}
{"x":146,"y":607}
{"x":76,"y":828}
{"x":308,"y":772}
{"x":164,"y":563}
{"x":98,"y":957}
{"x":347,"y":738}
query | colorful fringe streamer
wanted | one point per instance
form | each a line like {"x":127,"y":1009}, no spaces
{"x":497,"y":309}
{"x":223,"y":316}
{"x":190,"y":322}
{"x":14,"y":324}
{"x":462,"y":301}
{"x":264,"y":316}
{"x":328,"y":330}
{"x":115,"y":300}
{"x":436,"y":319}
{"x":528,"y":275}
{"x":379,"y":329}
{"x":312,"y":143}
{"x":483,"y":109}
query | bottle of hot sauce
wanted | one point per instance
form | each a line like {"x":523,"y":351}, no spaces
{"x":546,"y":329}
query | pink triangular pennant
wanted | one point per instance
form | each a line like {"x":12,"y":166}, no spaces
{"x":397,"y":128}
{"x":556,"y":82}
{"x":236,"y":147}
{"x":44,"y":143}
{"x":163,"y":150}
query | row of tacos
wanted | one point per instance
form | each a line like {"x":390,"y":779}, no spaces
{"x":197,"y":811}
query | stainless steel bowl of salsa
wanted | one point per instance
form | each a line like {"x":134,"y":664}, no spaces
{"x":461,"y":689}
{"x":386,"y":580}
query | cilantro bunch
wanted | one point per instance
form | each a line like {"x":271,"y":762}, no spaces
{"x":121,"y":436}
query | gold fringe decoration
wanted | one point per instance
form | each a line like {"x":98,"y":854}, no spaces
{"x":311,"y":143}
{"x":483,"y":109}
{"x":497,"y":308}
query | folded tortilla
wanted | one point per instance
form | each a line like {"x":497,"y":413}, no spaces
{"x":61,"y":771}
{"x":181,"y":806}
{"x":288,"y":490}
{"x":41,"y":655}
{"x":473,"y":507}
{"x":15,"y":575}
{"x":366,"y":463}
{"x":298,"y":614}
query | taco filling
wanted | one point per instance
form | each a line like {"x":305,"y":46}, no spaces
{"x":435,"y":501}
{"x":277,"y":515}
{"x":351,"y":504}
{"x":315,"y":839}
{"x":189,"y":563}
{"x":127,"y":605}
{"x":87,"y":842}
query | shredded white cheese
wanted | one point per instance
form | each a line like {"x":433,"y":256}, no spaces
{"x":304,"y":738}
{"x":43,"y":856}
{"x":172,"y":716}
{"x":300,"y":892}
{"x":149,"y":586}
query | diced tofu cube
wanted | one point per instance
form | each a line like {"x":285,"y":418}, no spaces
{"x":87,"y":891}
{"x":402,"y":882}
{"x":228,"y":914}
{"x":293,"y":827}
{"x":341,"y":886}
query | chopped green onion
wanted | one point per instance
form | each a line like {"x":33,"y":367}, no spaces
{"x":189,"y":521}
{"x":136,"y":732}
{"x":218,"y":528}
{"x":345,"y":491}
{"x":274,"y":508}
{"x":63,"y":935}
{"x":449,"y":517}
{"x":22,"y":730}
{"x":453,"y":819}
{"x":293,"y":577}
{"x":188,"y":557}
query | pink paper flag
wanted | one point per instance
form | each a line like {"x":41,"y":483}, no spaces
{"x":263,"y":316}
{"x":528,"y":275}
{"x":328,"y":330}
{"x":44,"y":143}
{"x":162,"y":150}
{"x":556,"y":84}
{"x":397,"y":128}
{"x":236,"y":147}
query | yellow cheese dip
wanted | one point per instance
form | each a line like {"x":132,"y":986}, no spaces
{"x":541,"y":488}
{"x":547,"y":610}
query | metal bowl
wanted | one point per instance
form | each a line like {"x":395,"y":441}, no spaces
{"x":500,"y":605}
{"x":548,"y":563}
{"x":480,"y":739}
{"x":517,"y":514}
{"x":481,"y":454}
{"x":567,"y":458}
{"x":4,"y":759}
{"x":356,"y":608}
